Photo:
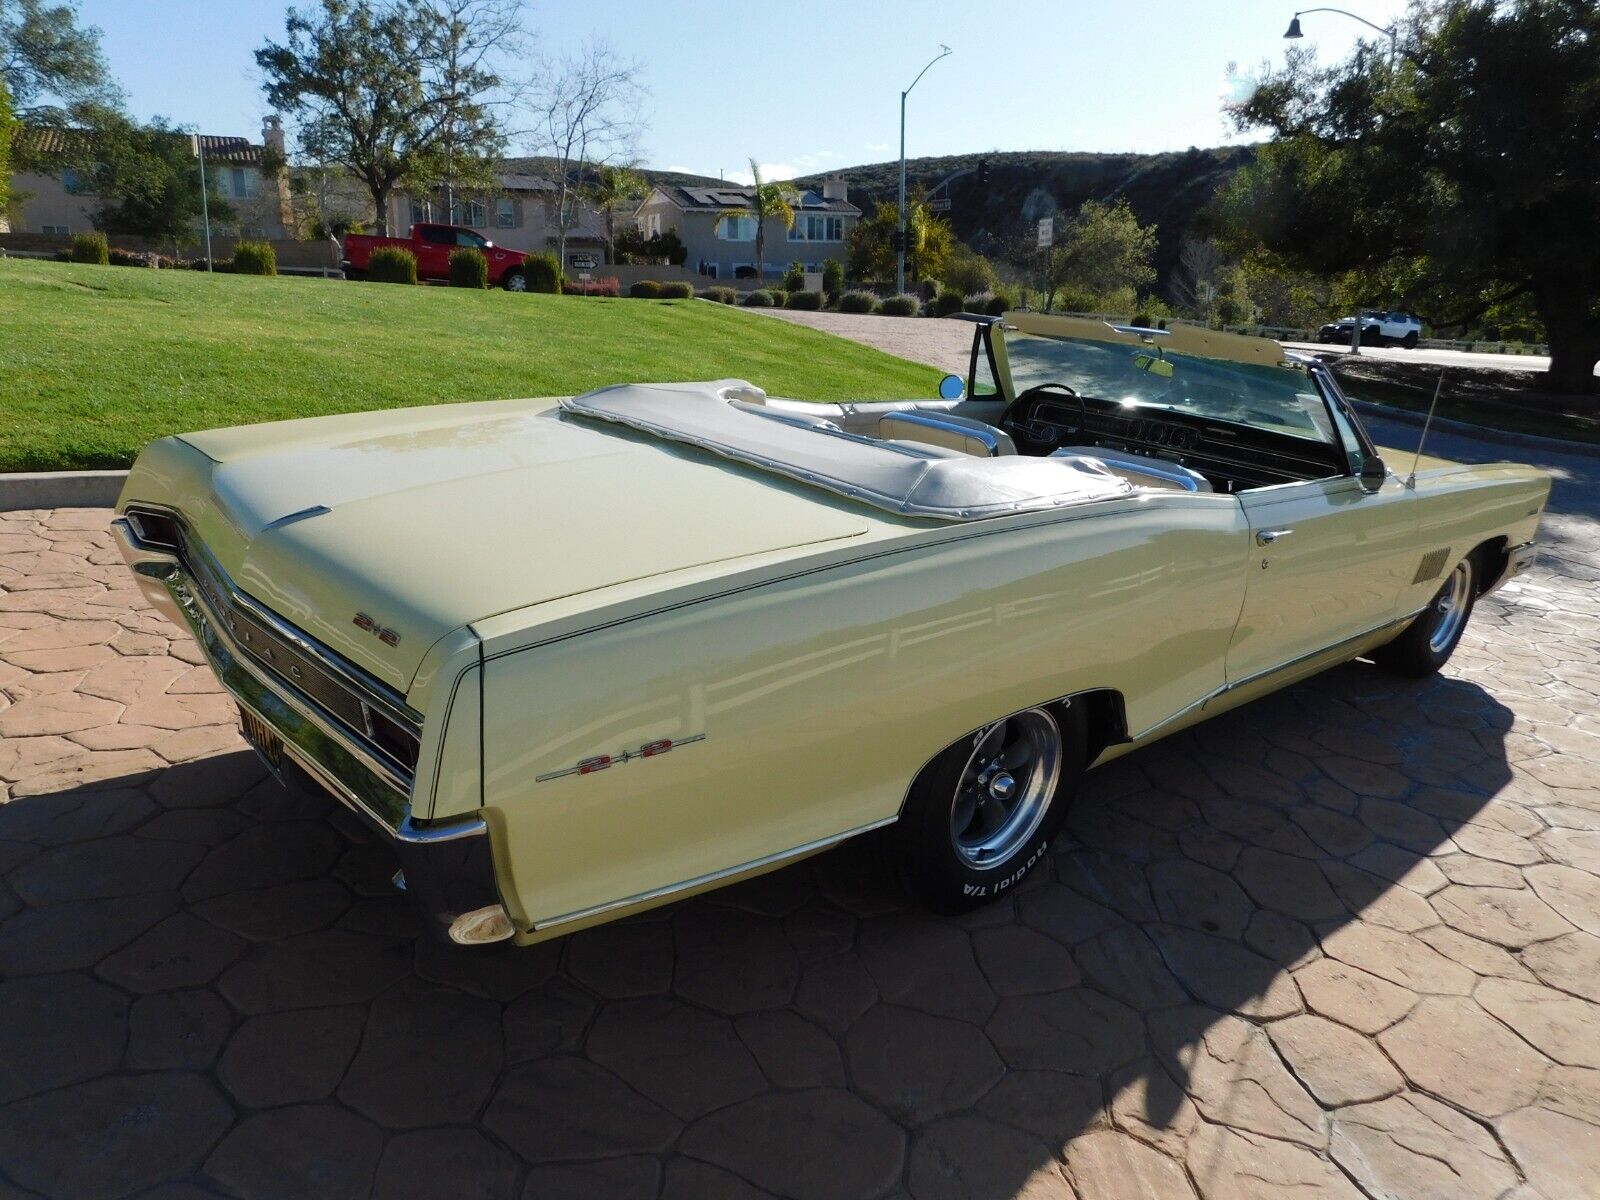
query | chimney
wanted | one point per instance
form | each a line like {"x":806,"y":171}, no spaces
{"x":834,"y":187}
{"x":272,"y":133}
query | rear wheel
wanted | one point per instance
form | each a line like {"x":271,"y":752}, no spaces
{"x":982,"y":814}
{"x":1410,"y":340}
{"x":515,"y":281}
{"x":1428,"y":642}
{"x":354,"y":274}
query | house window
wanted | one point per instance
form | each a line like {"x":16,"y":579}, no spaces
{"x":817,"y":229}
{"x":737,"y":229}
{"x":505,"y":213}
{"x":470,"y":213}
{"x":59,"y":230}
{"x":652,"y":225}
{"x":238,"y":182}
{"x":421,"y":212}
{"x":73,"y":183}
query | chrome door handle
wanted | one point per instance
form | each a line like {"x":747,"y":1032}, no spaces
{"x":1266,"y":537}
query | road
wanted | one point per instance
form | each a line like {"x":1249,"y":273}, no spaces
{"x":1443,"y":358}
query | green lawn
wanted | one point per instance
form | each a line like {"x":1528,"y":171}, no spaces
{"x":97,"y":361}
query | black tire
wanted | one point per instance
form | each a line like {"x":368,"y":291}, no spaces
{"x":949,"y":871}
{"x":1427,"y":643}
{"x":514,"y":281}
{"x":354,"y":274}
{"x":1410,"y":340}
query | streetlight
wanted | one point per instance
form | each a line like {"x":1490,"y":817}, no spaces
{"x":900,"y":260}
{"x":205,"y":203}
{"x":1392,"y":32}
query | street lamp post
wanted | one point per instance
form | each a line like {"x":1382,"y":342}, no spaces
{"x":205,"y":202}
{"x":1392,"y":32}
{"x":900,"y":258}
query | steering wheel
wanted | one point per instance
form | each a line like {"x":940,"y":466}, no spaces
{"x":1009,"y":423}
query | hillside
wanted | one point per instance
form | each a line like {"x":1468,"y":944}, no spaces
{"x":1168,"y":190}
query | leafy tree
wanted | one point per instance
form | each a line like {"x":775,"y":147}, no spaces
{"x":1463,"y":178}
{"x":150,"y":179}
{"x":968,"y":272}
{"x":615,"y":188}
{"x":1103,"y":253}
{"x":928,"y":237}
{"x":8,"y":126}
{"x":768,"y":200}
{"x":376,"y":93}
{"x":45,"y":54}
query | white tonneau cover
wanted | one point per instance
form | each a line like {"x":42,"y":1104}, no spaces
{"x":902,"y":477}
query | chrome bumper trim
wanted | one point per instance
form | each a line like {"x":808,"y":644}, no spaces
{"x":1518,"y":559}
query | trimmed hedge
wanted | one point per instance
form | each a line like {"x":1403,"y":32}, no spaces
{"x":609,"y":286}
{"x":645,"y":289}
{"x":804,"y":301}
{"x":544,"y":274}
{"x":469,"y":268}
{"x":858,"y":302}
{"x":794,"y":277}
{"x":720,"y":294}
{"x":946,"y":303}
{"x":677,"y":289}
{"x":91,"y":248}
{"x":992,"y":303}
{"x":899,"y":306}
{"x":392,"y":264}
{"x":140,"y":258}
{"x":758,"y":299}
{"x":255,"y":258}
{"x":779,"y":295}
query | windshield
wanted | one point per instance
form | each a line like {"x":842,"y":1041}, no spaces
{"x":1279,"y":398}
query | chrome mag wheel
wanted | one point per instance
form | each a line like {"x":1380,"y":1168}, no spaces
{"x":516,"y":282}
{"x":1451,"y":608}
{"x":1005,"y":789}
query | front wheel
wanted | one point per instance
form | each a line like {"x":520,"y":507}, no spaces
{"x":515,"y":281}
{"x":982,"y":814}
{"x":1428,"y":642}
{"x":1410,"y":340}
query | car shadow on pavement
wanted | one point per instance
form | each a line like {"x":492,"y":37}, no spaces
{"x":206,"y":978}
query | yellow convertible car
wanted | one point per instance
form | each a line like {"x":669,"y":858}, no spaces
{"x":578,"y":658}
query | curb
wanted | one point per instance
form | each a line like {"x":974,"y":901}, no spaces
{"x":60,"y":489}
{"x":1482,"y":433}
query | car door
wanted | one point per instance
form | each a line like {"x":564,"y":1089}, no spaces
{"x":433,"y":251}
{"x":1328,"y":558}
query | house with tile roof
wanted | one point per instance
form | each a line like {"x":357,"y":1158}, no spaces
{"x":720,"y":235}
{"x":236,"y":168}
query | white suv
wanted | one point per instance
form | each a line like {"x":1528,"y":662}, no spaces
{"x":1377,"y":329}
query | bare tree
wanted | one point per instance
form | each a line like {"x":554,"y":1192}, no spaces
{"x":586,"y":115}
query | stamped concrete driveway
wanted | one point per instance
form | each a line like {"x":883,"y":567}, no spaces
{"x":1340,"y":943}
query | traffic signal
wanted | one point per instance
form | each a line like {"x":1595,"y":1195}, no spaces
{"x":983,"y":170}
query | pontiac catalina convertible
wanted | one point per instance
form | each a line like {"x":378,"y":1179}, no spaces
{"x":578,"y":658}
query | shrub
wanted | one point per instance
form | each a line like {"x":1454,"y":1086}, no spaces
{"x":609,"y":286}
{"x":722,"y":295}
{"x":779,"y":295}
{"x":991,"y":303}
{"x":469,"y":268}
{"x":677,"y":289}
{"x":947,"y":303}
{"x":858,"y":302}
{"x":805,"y":301}
{"x":902,"y":305}
{"x":139,"y":258}
{"x":91,"y":248}
{"x":254,"y":258}
{"x":645,"y":289}
{"x":832,"y":277}
{"x":543,"y":273}
{"x":392,"y":264}
{"x":794,"y":278}
{"x":927,"y":289}
{"x":758,"y":299}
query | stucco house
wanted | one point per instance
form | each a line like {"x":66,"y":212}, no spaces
{"x":722,"y":242}
{"x":63,"y":204}
{"x":521,"y":215}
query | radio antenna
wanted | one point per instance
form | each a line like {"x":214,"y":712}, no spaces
{"x":1412,"y":481}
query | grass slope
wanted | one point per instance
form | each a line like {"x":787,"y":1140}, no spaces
{"x":97,"y":361}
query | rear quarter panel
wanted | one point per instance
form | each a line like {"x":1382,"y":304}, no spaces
{"x":818,"y":697}
{"x":1460,"y":508}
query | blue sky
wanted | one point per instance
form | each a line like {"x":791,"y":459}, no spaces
{"x":811,"y":85}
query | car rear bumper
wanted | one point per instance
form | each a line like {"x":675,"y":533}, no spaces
{"x":1518,"y":560}
{"x":448,"y":867}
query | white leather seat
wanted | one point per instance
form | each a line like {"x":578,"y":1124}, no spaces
{"x":1141,"y":471}
{"x":977,"y":438}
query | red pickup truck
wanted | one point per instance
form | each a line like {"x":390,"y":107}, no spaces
{"x":432,"y":245}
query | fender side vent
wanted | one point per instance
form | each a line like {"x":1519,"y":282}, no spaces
{"x":1430,"y":566}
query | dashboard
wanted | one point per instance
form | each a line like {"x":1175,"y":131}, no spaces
{"x":1232,"y":456}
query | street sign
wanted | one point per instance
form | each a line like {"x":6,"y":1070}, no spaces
{"x":583,"y":262}
{"x":1047,"y":232}
{"x":942,"y":204}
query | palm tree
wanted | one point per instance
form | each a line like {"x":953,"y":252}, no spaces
{"x":614,"y":188}
{"x":766,"y":200}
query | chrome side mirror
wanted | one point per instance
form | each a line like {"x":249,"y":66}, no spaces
{"x":952,"y":387}
{"x":1373,"y":473}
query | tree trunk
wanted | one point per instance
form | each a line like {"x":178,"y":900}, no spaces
{"x":380,"y":207}
{"x":761,"y":242}
{"x":1571,"y":319}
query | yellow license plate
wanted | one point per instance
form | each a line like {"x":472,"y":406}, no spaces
{"x":263,"y":739}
